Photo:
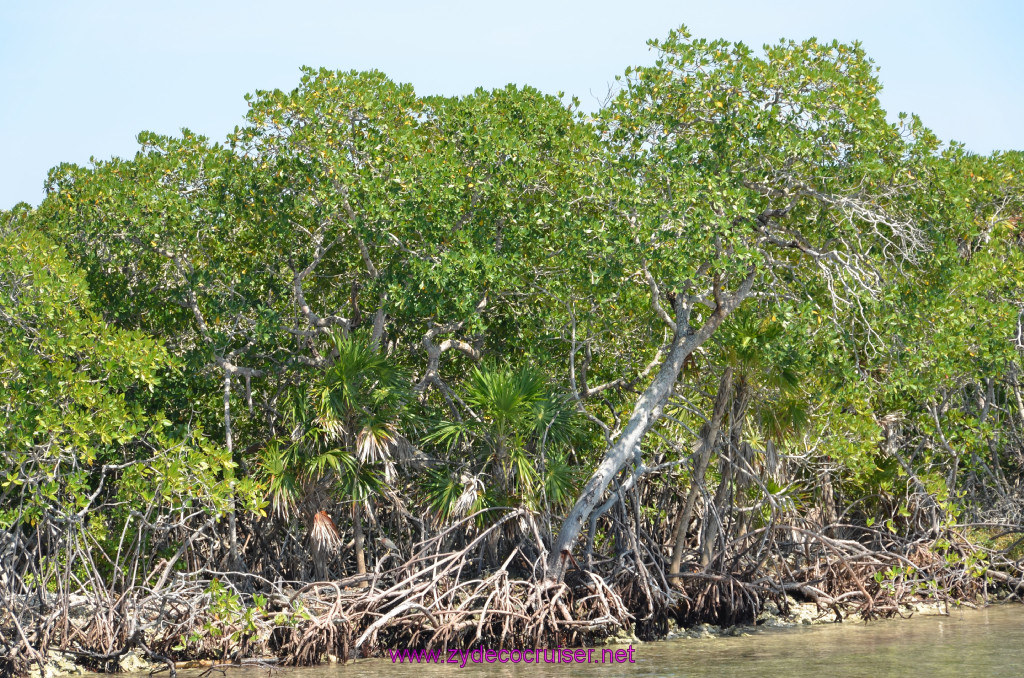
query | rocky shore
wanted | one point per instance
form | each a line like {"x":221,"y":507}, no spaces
{"x":800,"y":614}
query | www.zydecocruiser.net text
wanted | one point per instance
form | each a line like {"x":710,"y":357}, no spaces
{"x":480,"y":655}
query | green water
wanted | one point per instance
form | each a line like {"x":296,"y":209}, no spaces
{"x":967,"y":643}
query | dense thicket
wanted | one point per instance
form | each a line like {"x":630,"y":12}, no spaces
{"x":494,"y":365}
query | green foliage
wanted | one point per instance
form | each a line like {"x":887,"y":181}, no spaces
{"x":515,"y":441}
{"x":77,"y":395}
{"x":88,"y":456}
{"x":344,"y":284}
{"x":343,"y":430}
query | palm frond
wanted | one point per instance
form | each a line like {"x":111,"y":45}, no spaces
{"x":375,"y":442}
{"x":450,"y":493}
{"x":450,"y":434}
{"x":324,"y":533}
{"x":559,"y":479}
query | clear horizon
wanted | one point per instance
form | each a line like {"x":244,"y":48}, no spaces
{"x":83,"y":79}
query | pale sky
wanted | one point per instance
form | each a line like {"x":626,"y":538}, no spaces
{"x":81,"y":79}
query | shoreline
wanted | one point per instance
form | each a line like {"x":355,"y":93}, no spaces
{"x":801,"y":615}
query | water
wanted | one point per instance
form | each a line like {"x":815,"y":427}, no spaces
{"x":967,"y":643}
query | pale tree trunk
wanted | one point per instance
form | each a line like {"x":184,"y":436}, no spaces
{"x":703,"y":456}
{"x":645,"y":415}
{"x":1016,"y":393}
{"x":357,"y":525}
{"x":229,"y":441}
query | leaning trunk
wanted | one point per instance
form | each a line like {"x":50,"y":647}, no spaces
{"x":645,"y":414}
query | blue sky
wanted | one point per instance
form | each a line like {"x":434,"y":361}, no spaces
{"x":81,"y":79}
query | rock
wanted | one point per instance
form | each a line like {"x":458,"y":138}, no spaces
{"x":57,"y":664}
{"x":774,"y":622}
{"x":736,"y":631}
{"x":805,"y":613}
{"x":927,"y":607}
{"x":771,"y":616}
{"x":135,"y":662}
{"x":619,"y":636}
{"x":624,"y":639}
{"x":704,"y":631}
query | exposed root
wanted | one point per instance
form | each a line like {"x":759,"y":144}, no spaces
{"x":442,"y":598}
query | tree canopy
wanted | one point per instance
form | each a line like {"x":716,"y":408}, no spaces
{"x":738,"y":298}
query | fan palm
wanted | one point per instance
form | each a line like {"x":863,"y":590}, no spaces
{"x":516,"y":436}
{"x":344,"y":435}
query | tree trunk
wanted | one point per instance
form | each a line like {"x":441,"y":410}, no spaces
{"x":645,"y":414}
{"x":357,"y":524}
{"x":233,"y":559}
{"x":724,"y":496}
{"x":703,"y":456}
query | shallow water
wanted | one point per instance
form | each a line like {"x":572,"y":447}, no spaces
{"x":966,"y":643}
